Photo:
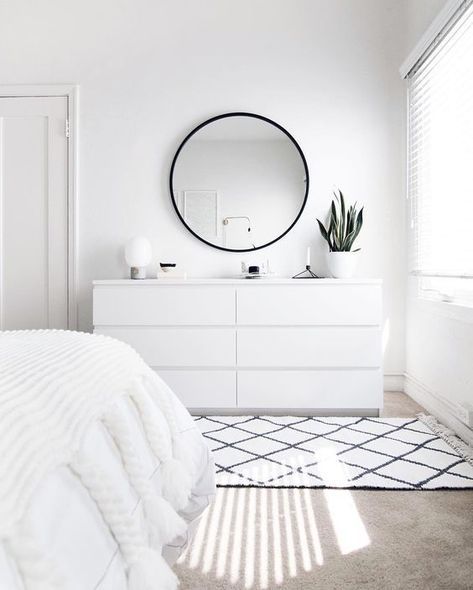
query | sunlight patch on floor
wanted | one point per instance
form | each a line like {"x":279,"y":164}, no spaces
{"x":290,"y":549}
{"x":263,"y":537}
{"x":347,"y":524}
{"x":303,"y":540}
{"x":225,"y":534}
{"x":260,"y":538}
{"x":194,"y":551}
{"x":277,"y":553}
{"x":213,"y":532}
{"x":346,"y":520}
{"x":314,"y":533}
{"x":238,"y":536}
{"x":250,"y":541}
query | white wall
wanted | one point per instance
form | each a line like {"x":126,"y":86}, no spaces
{"x":149,"y":70}
{"x":439,"y":345}
{"x":419,"y":15}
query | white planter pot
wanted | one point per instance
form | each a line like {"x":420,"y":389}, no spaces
{"x":342,"y":265}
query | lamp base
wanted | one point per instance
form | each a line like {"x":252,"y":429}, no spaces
{"x":306,"y":274}
{"x":138,"y":272}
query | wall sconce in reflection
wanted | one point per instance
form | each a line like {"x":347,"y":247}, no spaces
{"x":226,"y":221}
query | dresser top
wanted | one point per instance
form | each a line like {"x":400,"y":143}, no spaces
{"x":235,"y":281}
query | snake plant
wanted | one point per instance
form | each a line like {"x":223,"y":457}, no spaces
{"x":344,"y":225}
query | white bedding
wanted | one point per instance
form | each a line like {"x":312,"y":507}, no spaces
{"x":66,"y":523}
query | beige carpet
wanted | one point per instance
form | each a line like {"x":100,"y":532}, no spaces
{"x":303,"y":539}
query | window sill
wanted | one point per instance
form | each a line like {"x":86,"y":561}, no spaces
{"x":454,"y":311}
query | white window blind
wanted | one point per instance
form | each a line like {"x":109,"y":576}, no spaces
{"x":440,"y":163}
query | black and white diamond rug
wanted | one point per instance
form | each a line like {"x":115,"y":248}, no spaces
{"x":310,"y":452}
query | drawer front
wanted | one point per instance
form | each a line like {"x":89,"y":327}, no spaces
{"x":309,"y":347}
{"x":179,"y":347}
{"x":203,"y":389}
{"x":309,"y":305}
{"x":163,"y":305}
{"x":321,"y":390}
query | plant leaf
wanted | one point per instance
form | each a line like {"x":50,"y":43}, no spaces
{"x":331,"y":234}
{"x":349,"y":222}
{"x":359,"y":224}
{"x":336,"y":228}
{"x":348,"y":242}
{"x":342,"y":215}
{"x":334,"y":213}
{"x":323,"y":231}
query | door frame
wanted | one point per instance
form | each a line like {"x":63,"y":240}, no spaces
{"x":71,"y":93}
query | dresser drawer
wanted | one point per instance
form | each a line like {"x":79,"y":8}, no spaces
{"x":203,"y":389}
{"x":143,"y":305}
{"x":332,"y":346}
{"x":324,"y":390}
{"x":320,"y":304}
{"x":179,"y":347}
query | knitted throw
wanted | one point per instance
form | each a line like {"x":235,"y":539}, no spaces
{"x":53,"y":386}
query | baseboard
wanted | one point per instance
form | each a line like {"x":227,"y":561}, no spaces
{"x":394,"y":382}
{"x":325,"y":412}
{"x":435,"y":405}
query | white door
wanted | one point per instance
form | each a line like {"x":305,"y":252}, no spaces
{"x":33,"y":213}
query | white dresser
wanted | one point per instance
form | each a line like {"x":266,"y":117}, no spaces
{"x":304,"y":346}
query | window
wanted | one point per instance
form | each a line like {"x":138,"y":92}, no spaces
{"x":440,"y":164}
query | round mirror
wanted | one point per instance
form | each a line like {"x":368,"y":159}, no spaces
{"x":239,"y":182}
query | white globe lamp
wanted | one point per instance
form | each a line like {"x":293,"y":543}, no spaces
{"x":138,"y":255}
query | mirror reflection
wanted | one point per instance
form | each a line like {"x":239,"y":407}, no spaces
{"x":239,"y":182}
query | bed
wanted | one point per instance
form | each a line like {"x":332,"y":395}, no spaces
{"x":103,"y":474}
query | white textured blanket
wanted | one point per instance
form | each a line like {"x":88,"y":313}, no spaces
{"x":53,"y":385}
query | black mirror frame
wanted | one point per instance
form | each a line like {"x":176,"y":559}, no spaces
{"x":225,"y":116}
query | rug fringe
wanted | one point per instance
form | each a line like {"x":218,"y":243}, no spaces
{"x":462,"y":448}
